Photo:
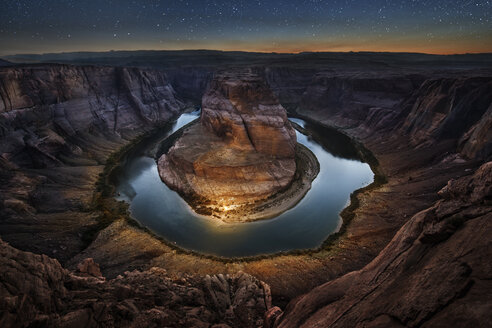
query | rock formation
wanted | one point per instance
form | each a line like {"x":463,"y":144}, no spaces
{"x":61,"y":123}
{"x":433,"y":273}
{"x":242,"y":151}
{"x":35,"y":290}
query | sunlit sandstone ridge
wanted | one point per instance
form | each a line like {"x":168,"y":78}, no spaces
{"x":242,"y":151}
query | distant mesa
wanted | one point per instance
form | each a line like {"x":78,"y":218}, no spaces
{"x":242,"y":157}
{"x":5,"y":63}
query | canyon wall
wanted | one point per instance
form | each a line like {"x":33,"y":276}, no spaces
{"x":58,"y":126}
{"x":433,"y":273}
{"x":46,"y":109}
{"x":426,"y":108}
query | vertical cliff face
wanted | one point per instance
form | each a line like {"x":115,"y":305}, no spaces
{"x":242,"y":152}
{"x":453,"y":109}
{"x":428,"y":111}
{"x":432,"y":274}
{"x":43,"y":106}
{"x":353,"y":94}
{"x":58,"y":126}
{"x":190,"y":82}
{"x":288,"y":83}
{"x":240,"y":108}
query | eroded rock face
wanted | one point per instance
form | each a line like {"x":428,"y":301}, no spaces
{"x":64,"y":121}
{"x":35,"y":290}
{"x":432,"y":273}
{"x":242,"y":150}
{"x":241,"y":109}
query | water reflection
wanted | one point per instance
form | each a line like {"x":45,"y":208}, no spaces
{"x":305,"y":226}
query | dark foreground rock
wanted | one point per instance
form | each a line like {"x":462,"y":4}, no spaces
{"x":35,"y":290}
{"x":242,"y":151}
{"x":434,"y":273}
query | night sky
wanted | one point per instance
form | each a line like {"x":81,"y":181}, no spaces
{"x":437,"y":26}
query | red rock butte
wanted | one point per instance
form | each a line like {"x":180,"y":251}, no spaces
{"x":242,"y":151}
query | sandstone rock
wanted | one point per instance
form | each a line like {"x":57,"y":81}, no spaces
{"x":89,"y":268}
{"x":453,"y":109}
{"x":37,"y":290}
{"x":73,"y":123}
{"x":240,"y":108}
{"x":271,"y":317}
{"x":64,"y":121}
{"x":242,"y":151}
{"x":431,"y":274}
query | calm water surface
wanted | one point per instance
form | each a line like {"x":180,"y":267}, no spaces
{"x":306,"y":225}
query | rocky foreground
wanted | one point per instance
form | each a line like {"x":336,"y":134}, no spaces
{"x":434,"y":273}
{"x":36,"y":291}
{"x":243,"y":150}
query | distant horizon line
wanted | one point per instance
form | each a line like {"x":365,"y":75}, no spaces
{"x":244,"y":51}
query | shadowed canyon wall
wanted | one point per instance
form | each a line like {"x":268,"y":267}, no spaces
{"x":58,"y":125}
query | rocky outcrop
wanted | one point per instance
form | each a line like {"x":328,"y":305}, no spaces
{"x":453,"y":109}
{"x":429,"y":111}
{"x":242,"y":110}
{"x":58,"y":126}
{"x":43,"y":106}
{"x":35,"y":290}
{"x":243,"y":150}
{"x":431,"y":274}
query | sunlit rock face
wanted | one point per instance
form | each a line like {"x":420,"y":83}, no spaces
{"x":243,"y":111}
{"x":243,"y":149}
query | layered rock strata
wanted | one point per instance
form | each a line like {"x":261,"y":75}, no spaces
{"x":243,"y":150}
{"x":431,"y":274}
{"x":46,"y":210}
{"x":58,"y":126}
{"x":36,"y":291}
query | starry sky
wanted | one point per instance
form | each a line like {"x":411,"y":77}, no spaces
{"x":431,"y":26}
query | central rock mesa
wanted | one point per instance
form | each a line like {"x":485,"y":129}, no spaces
{"x":242,"y":151}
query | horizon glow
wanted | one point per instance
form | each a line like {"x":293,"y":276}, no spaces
{"x":444,"y":27}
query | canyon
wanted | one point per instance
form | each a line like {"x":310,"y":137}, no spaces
{"x":410,"y":253}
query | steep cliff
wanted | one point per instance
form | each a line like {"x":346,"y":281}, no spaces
{"x":453,"y":109}
{"x":58,"y":126}
{"x":240,"y":108}
{"x":42,"y":107}
{"x":242,"y":151}
{"x":447,"y":108}
{"x":432,"y":274}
